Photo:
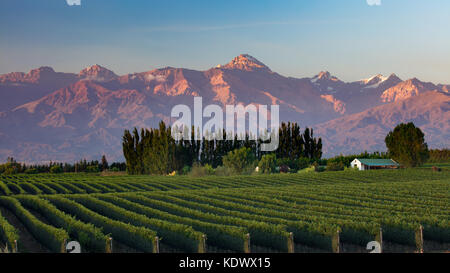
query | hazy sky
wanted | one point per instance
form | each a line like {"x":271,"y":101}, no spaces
{"x":349,"y":38}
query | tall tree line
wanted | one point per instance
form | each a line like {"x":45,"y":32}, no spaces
{"x":155,"y":151}
{"x":13,"y":167}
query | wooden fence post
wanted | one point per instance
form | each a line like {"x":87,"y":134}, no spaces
{"x":111,"y":245}
{"x":64,"y":248}
{"x":338,"y":241}
{"x":381,"y":240}
{"x":419,"y":239}
{"x":156,"y":244}
{"x":203,"y":244}
{"x":291,"y":245}
{"x":247,"y":244}
{"x":16,"y":247}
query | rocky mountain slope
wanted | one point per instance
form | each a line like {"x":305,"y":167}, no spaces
{"x":46,"y":115}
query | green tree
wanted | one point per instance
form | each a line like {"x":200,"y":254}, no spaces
{"x":406,"y":145}
{"x":239,"y":160}
{"x":104,"y":165}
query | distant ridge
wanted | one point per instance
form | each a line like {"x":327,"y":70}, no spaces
{"x":47,"y":115}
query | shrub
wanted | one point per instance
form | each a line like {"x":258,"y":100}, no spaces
{"x":224,"y":171}
{"x":10,"y":171}
{"x":56,"y":169}
{"x":307,"y":170}
{"x":335,"y":166}
{"x":199,"y":170}
{"x":318,"y":168}
{"x":240,"y":160}
{"x":186,"y":169}
{"x":92,"y":169}
{"x":209,"y":169}
{"x":31,"y":171}
{"x":350,"y":169}
{"x":267,"y":164}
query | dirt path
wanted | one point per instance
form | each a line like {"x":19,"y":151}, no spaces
{"x":121,"y":248}
{"x":27,"y":243}
{"x":436,"y":247}
{"x":163,"y":248}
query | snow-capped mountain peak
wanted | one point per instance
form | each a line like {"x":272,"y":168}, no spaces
{"x":378,"y":80}
{"x":374,"y":79}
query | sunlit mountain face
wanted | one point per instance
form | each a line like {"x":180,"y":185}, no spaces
{"x":47,"y":115}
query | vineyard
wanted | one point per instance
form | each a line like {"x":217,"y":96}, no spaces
{"x":405,"y":210}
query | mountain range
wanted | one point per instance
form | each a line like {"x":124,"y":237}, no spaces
{"x":47,"y":115}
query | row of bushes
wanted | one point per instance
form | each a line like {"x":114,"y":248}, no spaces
{"x":304,"y":225}
{"x":87,"y":235}
{"x":226,"y":237}
{"x":262,"y":233}
{"x":51,"y":237}
{"x":4,"y":190}
{"x":8,"y":234}
{"x":140,"y":238}
{"x":176,"y":235}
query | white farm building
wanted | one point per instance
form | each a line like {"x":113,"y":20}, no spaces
{"x":373,"y":164}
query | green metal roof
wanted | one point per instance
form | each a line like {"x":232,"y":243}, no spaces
{"x":378,"y":162}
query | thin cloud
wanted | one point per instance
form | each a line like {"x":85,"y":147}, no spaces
{"x":214,"y":28}
{"x":73,"y":2}
{"x":374,"y":2}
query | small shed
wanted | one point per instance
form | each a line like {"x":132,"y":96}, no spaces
{"x":374,"y":164}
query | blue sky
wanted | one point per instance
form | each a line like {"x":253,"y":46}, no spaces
{"x":295,"y":38}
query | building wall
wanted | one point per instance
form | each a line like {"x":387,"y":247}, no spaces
{"x":357,"y":163}
{"x":362,"y":167}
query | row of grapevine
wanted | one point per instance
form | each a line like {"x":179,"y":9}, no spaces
{"x":176,"y":235}
{"x":53,"y":238}
{"x":265,"y":231}
{"x":225,"y":237}
{"x":435,"y":229}
{"x":87,"y":235}
{"x":68,"y":183}
{"x":354,"y":230}
{"x":4,"y":190}
{"x":263,"y":234}
{"x":140,"y":238}
{"x":8,"y":234}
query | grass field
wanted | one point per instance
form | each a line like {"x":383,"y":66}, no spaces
{"x":408,"y":210}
